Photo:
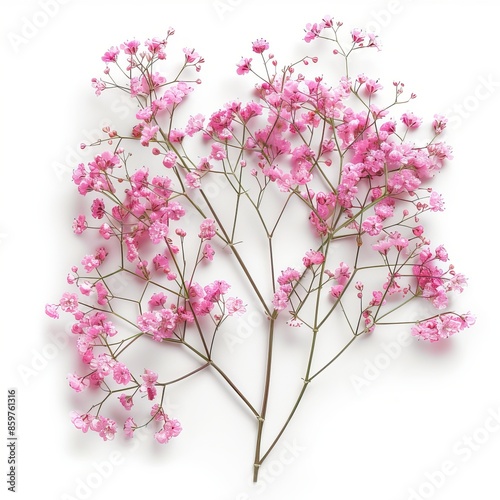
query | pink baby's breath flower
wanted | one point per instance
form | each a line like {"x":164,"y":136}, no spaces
{"x":207,"y":229}
{"x":105,"y":427}
{"x":280,"y":300}
{"x":158,"y":231}
{"x":89,"y":263}
{"x":169,"y":159}
{"x":121,"y":374}
{"x":148,"y":133}
{"x":170,"y":429}
{"x":51,"y":311}
{"x":260,"y":46}
{"x":79,"y":224}
{"x":193,"y":180}
{"x":111,"y":55}
{"x":81,"y":422}
{"x":129,"y":427}
{"x":342,"y":274}
{"x":69,"y":302}
{"x":410,"y":120}
{"x":372,"y":225}
{"x":235,"y":306}
{"x":208,"y":252}
{"x":336,"y":291}
{"x":243,"y":67}
{"x":126,"y":401}
{"x":313,"y":257}
{"x":78,"y":384}
{"x":436,"y":202}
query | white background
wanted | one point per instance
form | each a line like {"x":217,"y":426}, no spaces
{"x":382,"y":442}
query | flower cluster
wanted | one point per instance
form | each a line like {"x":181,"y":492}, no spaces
{"x":335,"y":158}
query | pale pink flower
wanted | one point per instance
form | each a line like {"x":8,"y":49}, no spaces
{"x":111,"y":55}
{"x":208,"y":252}
{"x":148,"y":133}
{"x":207,"y":229}
{"x":157,"y":300}
{"x":260,"y":46}
{"x":78,"y":384}
{"x":69,"y":302}
{"x":193,"y":180}
{"x":195,"y":124}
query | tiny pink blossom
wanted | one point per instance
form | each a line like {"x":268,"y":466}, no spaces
{"x":69,"y":302}
{"x":336,"y":291}
{"x":410,"y":120}
{"x":169,"y":159}
{"x":260,"y":46}
{"x":126,"y":401}
{"x":207,"y":229}
{"x":79,"y":224}
{"x":208,"y":252}
{"x":51,"y":311}
{"x":372,"y":225}
{"x":111,"y":55}
{"x":129,"y":427}
{"x":235,"y":306}
{"x":193,"y":180}
{"x":78,"y":384}
{"x":313,"y":257}
{"x":436,"y":202}
{"x":121,"y":374}
{"x":243,"y":67}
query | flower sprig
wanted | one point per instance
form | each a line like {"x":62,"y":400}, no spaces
{"x":330,"y":167}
